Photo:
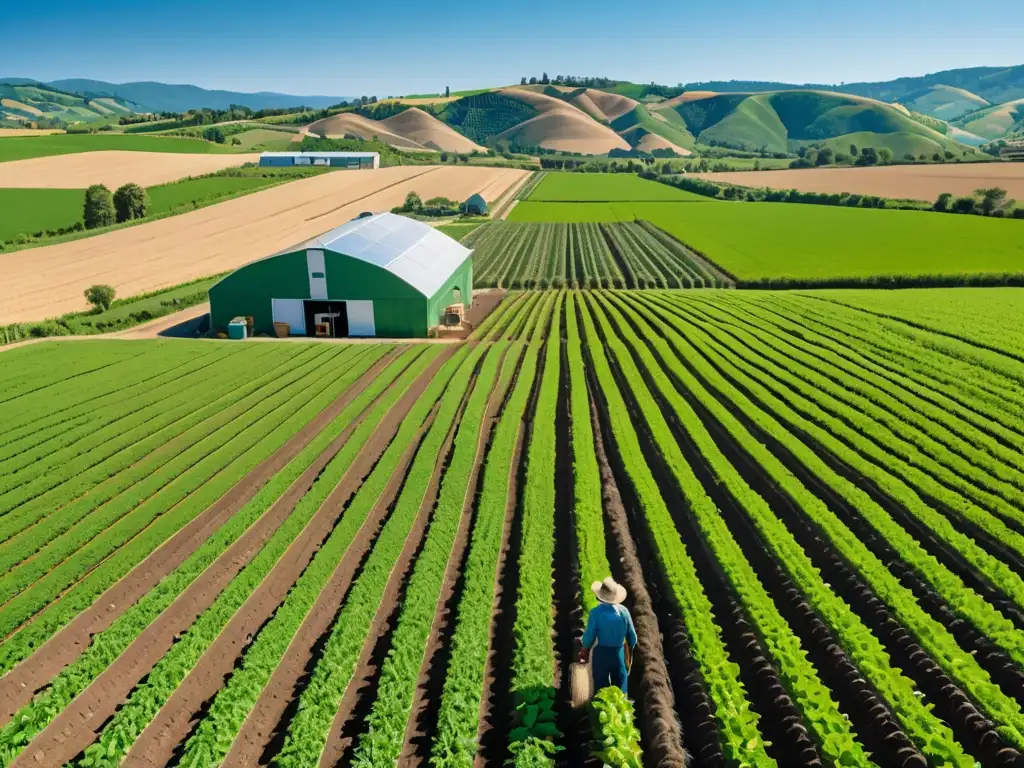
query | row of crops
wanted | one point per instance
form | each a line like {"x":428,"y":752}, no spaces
{"x":587,"y":255}
{"x":321,"y":554}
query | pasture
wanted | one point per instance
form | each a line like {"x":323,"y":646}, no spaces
{"x":219,"y":238}
{"x":600,"y":187}
{"x":25,"y":148}
{"x":302,"y":554}
{"x":783,"y":243}
{"x":26,"y":211}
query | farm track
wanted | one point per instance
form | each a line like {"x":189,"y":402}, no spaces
{"x":86,"y":712}
{"x":816,"y":514}
{"x":65,"y":646}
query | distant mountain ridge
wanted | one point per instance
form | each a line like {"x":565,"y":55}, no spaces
{"x":167,"y":97}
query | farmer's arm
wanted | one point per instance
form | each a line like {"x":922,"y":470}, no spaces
{"x":590,"y":634}
{"x":630,"y":631}
{"x":589,"y":637}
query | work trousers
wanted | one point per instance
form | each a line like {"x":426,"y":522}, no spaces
{"x":609,"y":666}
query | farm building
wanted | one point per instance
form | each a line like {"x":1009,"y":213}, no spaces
{"x":379,"y":275}
{"x":475,"y":204}
{"x":356,"y":160}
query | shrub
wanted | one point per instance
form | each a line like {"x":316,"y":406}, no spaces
{"x":943,"y":201}
{"x":964,"y":205}
{"x":100,"y":296}
{"x":99,"y":207}
{"x":130,"y":202}
{"x":1019,"y":213}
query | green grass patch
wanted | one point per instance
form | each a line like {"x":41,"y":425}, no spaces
{"x":605,"y":187}
{"x":781,"y":243}
{"x":25,"y":147}
{"x":194,"y":193}
{"x":264,"y":139}
{"x":459,"y":231}
{"x":27,"y":211}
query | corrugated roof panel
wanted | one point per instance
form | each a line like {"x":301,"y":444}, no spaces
{"x":411,"y":250}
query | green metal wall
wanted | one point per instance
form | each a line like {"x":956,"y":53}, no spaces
{"x":400,"y":311}
{"x":461,"y":278}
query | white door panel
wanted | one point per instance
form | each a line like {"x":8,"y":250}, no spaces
{"x":360,"y":318}
{"x":317,"y":274}
{"x":291,"y":311}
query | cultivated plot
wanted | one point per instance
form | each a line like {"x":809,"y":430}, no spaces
{"x":113,"y":168}
{"x":222,"y":237}
{"x":806,"y":245}
{"x":906,"y":182}
{"x":380,"y":554}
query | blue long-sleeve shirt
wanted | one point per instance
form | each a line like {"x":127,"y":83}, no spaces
{"x":610,"y":626}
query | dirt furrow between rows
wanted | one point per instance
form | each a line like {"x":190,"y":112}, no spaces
{"x":19,"y":685}
{"x":661,"y":733}
{"x":79,"y":724}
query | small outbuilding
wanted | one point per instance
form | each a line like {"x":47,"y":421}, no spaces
{"x":475,"y":205}
{"x":349,"y":160}
{"x":378,"y":275}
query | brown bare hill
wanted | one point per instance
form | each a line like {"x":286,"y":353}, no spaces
{"x":560,"y":126}
{"x":411,"y":129}
{"x":612,"y":106}
{"x":351,"y":124}
{"x":428,"y":131}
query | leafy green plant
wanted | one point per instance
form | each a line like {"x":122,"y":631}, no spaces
{"x":617,"y":739}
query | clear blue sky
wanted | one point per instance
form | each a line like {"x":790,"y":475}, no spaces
{"x":356,"y":47}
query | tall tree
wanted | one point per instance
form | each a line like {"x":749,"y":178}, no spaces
{"x":99,"y":207}
{"x":130,"y":202}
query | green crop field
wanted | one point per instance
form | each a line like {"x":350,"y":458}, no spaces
{"x":817,"y":496}
{"x":605,"y":187}
{"x":617,"y":255}
{"x":810,"y":244}
{"x":26,"y":211}
{"x":25,"y":147}
{"x":991,"y":317}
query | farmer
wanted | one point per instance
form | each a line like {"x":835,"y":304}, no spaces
{"x":610,"y":627}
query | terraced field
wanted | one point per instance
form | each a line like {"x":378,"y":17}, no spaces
{"x":318,"y":554}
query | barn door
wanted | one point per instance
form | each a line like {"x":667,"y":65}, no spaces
{"x":317,"y":274}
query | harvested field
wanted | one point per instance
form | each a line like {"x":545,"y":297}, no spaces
{"x":4,"y":132}
{"x":221,"y":237}
{"x":907,"y":182}
{"x":300,"y":555}
{"x":113,"y":168}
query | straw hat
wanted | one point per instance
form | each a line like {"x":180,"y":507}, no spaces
{"x":608,"y":591}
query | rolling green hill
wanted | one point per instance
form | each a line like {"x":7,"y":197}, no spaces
{"x":23,"y":104}
{"x":783,"y":120}
{"x":942,"y":101}
{"x":667,"y":124}
{"x":996,"y":121}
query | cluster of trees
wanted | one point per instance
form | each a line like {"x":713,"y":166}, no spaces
{"x":102,"y":209}
{"x":571,"y":80}
{"x":812,"y":157}
{"x":992,"y":201}
{"x":434,"y":207}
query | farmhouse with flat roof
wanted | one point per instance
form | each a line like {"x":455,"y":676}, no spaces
{"x":354,"y":160}
{"x":378,"y":275}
